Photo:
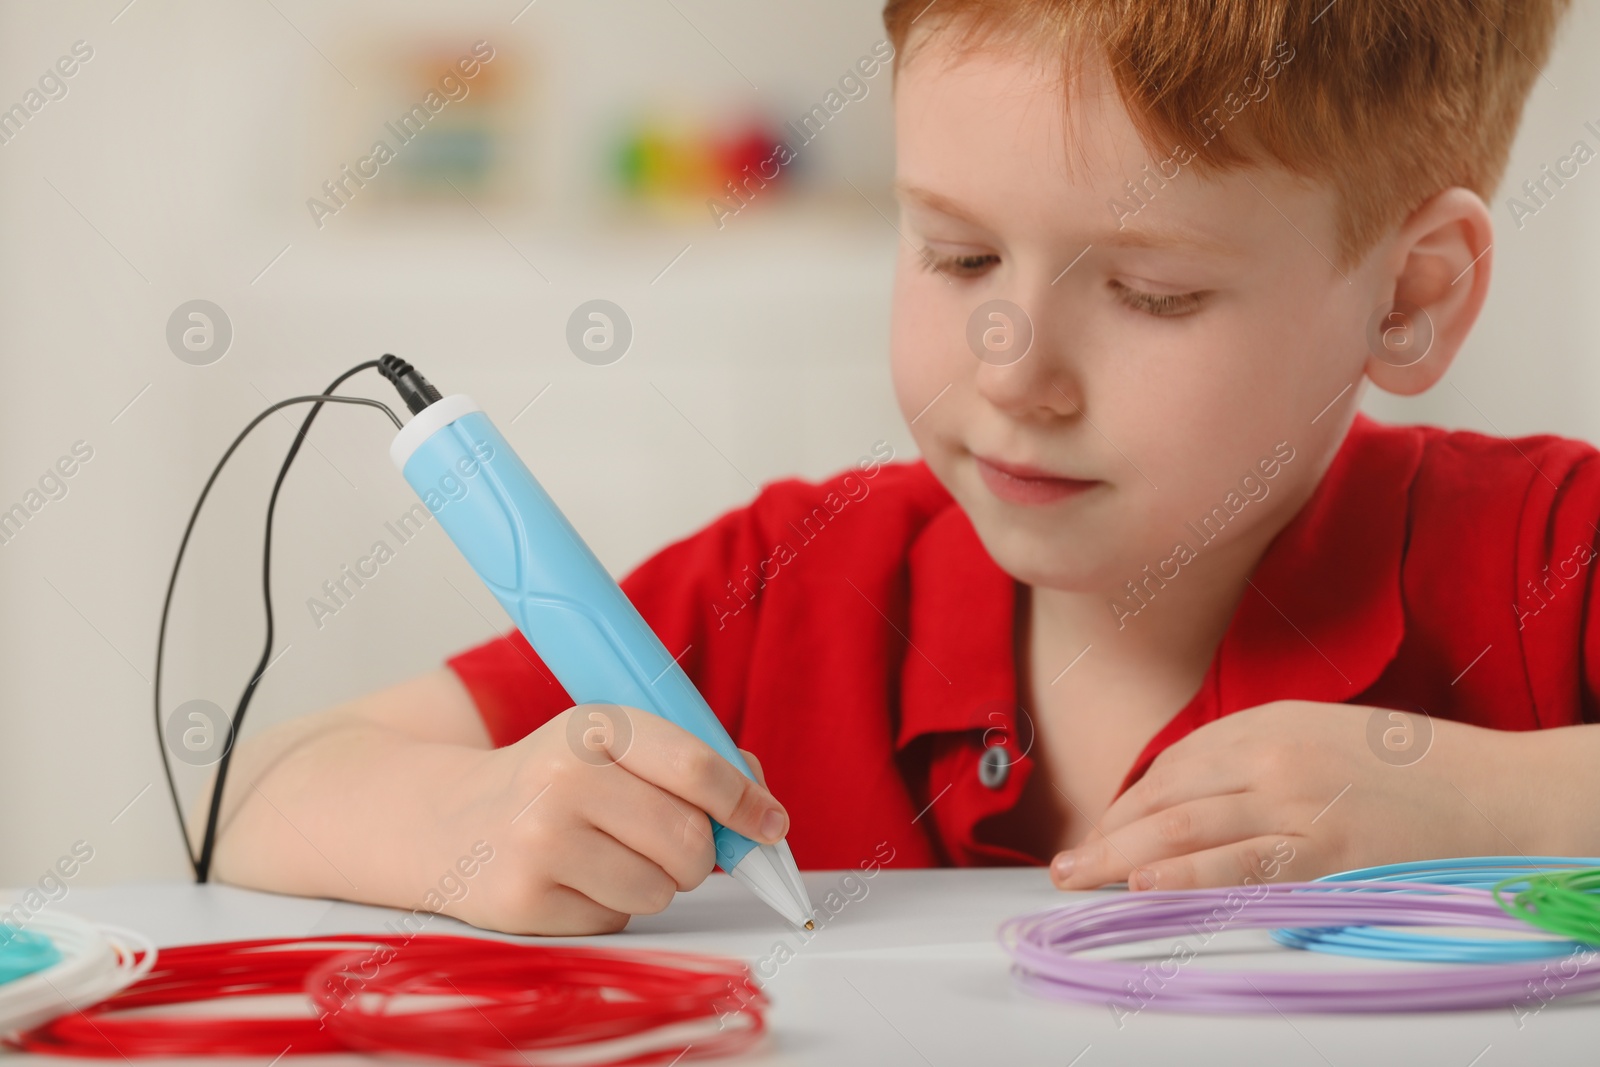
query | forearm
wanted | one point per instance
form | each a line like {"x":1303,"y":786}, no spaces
{"x":338,"y":806}
{"x":1553,"y":788}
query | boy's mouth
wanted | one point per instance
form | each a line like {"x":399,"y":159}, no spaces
{"x":1021,"y":484}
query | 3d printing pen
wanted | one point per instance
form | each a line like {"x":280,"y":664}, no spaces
{"x":562,"y":599}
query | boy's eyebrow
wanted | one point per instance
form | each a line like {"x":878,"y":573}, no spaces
{"x":937,"y":201}
{"x":1167,"y":237}
{"x":1128,"y":236}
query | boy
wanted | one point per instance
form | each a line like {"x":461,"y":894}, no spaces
{"x":1156,"y":604}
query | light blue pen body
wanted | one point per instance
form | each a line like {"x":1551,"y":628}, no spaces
{"x":568,"y":606}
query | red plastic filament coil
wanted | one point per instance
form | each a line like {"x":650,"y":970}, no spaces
{"x":503,"y":1002}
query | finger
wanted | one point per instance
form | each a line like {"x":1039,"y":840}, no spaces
{"x":613,"y":875}
{"x":565,"y":912}
{"x":669,"y":756}
{"x":1219,"y":757}
{"x":1176,"y":831}
{"x":755,"y":765}
{"x":668,"y":831}
{"x":1252,"y":862}
{"x":1176,"y":778}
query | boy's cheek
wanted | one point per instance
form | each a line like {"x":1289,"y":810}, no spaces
{"x":925,"y":354}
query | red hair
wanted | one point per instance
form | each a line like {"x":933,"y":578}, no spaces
{"x":1386,"y":101}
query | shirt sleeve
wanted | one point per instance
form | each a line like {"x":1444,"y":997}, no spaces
{"x":692,"y":594}
{"x":1583,"y":553}
{"x":1556,"y":607}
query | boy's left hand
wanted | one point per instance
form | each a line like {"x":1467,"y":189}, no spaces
{"x":1295,"y":789}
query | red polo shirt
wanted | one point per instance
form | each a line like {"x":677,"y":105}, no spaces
{"x":857,"y":637}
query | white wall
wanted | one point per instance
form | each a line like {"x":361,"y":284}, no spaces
{"x":178,"y":167}
{"x":183,"y":144}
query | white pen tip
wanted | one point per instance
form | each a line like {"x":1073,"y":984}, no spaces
{"x":770,"y":873}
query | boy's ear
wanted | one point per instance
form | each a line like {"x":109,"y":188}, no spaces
{"x":1441,"y":260}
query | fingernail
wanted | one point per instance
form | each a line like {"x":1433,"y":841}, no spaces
{"x":1061,"y":867}
{"x":1142,"y":880}
{"x":773,"y":824}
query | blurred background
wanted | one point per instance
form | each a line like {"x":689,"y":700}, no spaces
{"x":197,"y":220}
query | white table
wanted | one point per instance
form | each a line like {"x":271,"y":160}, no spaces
{"x":911,"y":973}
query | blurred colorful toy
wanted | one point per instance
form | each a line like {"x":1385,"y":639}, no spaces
{"x":664,"y":162}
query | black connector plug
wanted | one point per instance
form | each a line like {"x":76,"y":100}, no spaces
{"x":414,"y":389}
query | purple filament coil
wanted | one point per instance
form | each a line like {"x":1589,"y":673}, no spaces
{"x":1049,"y":948}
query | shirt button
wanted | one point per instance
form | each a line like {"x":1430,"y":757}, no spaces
{"x":994,"y":766}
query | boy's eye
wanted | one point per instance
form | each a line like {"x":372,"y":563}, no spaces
{"x":964,"y":266}
{"x":1162,"y":305}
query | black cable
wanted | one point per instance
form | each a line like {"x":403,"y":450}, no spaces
{"x":202,"y":863}
{"x":413,"y":388}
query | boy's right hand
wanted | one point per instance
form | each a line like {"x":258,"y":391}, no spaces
{"x":599,"y":815}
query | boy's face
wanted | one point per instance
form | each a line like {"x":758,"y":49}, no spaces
{"x":1161,"y":373}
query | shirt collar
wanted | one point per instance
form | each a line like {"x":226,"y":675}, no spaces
{"x":1322,"y":617}
{"x":958,"y":672}
{"x":1323,"y":614}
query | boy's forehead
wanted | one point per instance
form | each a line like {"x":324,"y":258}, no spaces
{"x":993,"y":135}
{"x":1013,"y":92}
{"x":1002,"y":113}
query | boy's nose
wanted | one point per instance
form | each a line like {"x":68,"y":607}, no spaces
{"x":1020,"y":365}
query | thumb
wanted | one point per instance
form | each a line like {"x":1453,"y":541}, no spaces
{"x":755,"y":765}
